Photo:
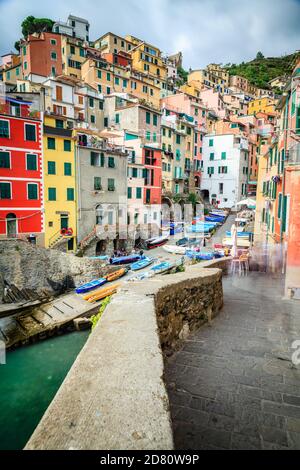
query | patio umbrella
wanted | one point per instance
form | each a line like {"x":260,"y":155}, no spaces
{"x":247,"y":202}
{"x":234,"y":240}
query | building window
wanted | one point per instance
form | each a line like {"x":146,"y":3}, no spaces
{"x":178,"y":139}
{"x":32,"y":191}
{"x":31,"y":162}
{"x":53,"y":42}
{"x":117,"y":81}
{"x":51,"y":143}
{"x":111,"y":162}
{"x":100,"y":88}
{"x":30,"y":132}
{"x":210,"y":170}
{"x":211,"y":142}
{"x":221,"y":188}
{"x":211,"y":156}
{"x":97,"y":159}
{"x":24,"y":50}
{"x":148,"y":116}
{"x":70,"y":194}
{"x":97,"y":183}
{"x":59,"y":124}
{"x":111,"y":184}
{"x":108,"y":76}
{"x":91,"y":102}
{"x":72,"y":49}
{"x":222,"y":169}
{"x":134,"y":172}
{"x":129,"y":192}
{"x":51,"y":168}
{"x":5,"y":190}
{"x":148,"y":135}
{"x":108,"y":90}
{"x":124,"y":83}
{"x":5,"y":160}
{"x":139,"y":193}
{"x":223,"y":155}
{"x":117,"y":119}
{"x":99,"y":73}
{"x":53,"y":55}
{"x":52,"y":194}
{"x":81,"y":52}
{"x":154,"y":119}
{"x":67,"y":145}
{"x":93,"y":119}
{"x":67,"y":169}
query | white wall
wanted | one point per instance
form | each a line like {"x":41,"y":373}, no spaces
{"x":235,"y":161}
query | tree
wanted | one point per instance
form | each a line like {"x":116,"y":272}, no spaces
{"x":259,"y":56}
{"x":17,"y":46}
{"x":183,"y":74}
{"x":36,"y":25}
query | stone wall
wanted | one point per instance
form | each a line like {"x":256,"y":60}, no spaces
{"x":44,"y":270}
{"x":114,"y":396}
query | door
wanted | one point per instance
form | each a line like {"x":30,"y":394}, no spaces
{"x":11,"y":225}
{"x":64,"y":221}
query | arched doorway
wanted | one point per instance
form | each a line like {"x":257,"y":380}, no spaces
{"x":101,"y":247}
{"x":11,"y":225}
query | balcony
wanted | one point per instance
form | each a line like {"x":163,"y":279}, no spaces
{"x":22,"y":111}
{"x":293,"y":155}
{"x":57,"y":131}
{"x":89,"y":141}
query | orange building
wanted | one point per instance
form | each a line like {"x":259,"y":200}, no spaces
{"x":41,"y":55}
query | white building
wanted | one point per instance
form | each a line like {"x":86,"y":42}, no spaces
{"x":225,"y":169}
{"x":74,"y":26}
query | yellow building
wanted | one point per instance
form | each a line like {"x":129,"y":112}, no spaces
{"x":73,"y":55}
{"x":264,"y":105}
{"x":12,"y":74}
{"x":112,"y":43}
{"x":108,"y":78}
{"x":167,"y":139}
{"x":59,"y":184}
{"x":147,"y":58}
{"x":191,"y":88}
{"x":210,"y":78}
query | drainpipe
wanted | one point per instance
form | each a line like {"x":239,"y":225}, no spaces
{"x":286,"y":127}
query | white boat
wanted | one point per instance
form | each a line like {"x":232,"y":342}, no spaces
{"x":241,"y":242}
{"x":175,"y":249}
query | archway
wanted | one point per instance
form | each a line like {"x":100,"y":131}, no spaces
{"x":11,"y":225}
{"x":101,"y":246}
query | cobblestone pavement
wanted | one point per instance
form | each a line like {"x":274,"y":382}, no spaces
{"x":233,"y":384}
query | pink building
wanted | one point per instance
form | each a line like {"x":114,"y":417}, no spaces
{"x":212,"y":99}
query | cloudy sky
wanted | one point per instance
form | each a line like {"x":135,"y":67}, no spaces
{"x":204,"y":30}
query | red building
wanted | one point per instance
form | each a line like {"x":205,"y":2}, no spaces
{"x":21,"y":175}
{"x":153,"y":175}
{"x":41,"y":55}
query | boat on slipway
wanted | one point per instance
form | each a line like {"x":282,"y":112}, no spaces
{"x":175,"y":249}
{"x":155,"y":242}
{"x":126,"y":259}
{"x":90,"y":285}
{"x":141,"y":264}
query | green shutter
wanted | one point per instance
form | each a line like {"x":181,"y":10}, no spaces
{"x":129,"y":193}
{"x":4,"y":128}
{"x":30,"y":132}
{"x":67,"y":169}
{"x":52,"y":194}
{"x":31,"y":162}
{"x":70,"y":194}
{"x":97,"y":183}
{"x":51,"y":168}
{"x":279,"y":205}
{"x":223,"y":155}
{"x":148,"y":117}
{"x":32,"y":191}
{"x":284,"y":213}
{"x":111,"y":162}
{"x":5,"y":191}
{"x":51,"y":143}
{"x":5,"y":160}
{"x":138,"y":193}
{"x":298,"y":120}
{"x":67,"y":145}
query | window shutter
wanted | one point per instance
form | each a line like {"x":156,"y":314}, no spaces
{"x":279,"y":205}
{"x":284,"y":209}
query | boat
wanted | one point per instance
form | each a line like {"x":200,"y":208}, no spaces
{"x":116,"y":274}
{"x":155,"y":242}
{"x":200,"y":256}
{"x":102,"y":257}
{"x":187,"y":241}
{"x":240,"y":234}
{"x":102,"y":293}
{"x":241,"y":242}
{"x":214,"y":218}
{"x":162,"y":267}
{"x":126,"y":259}
{"x":175,"y":249}
{"x":90,"y":285}
{"x":142,"y":263}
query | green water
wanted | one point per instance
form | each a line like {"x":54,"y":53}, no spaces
{"x":28,"y":382}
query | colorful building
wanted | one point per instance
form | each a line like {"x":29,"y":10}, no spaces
{"x":21,"y":169}
{"x":59,"y":184}
{"x":263,"y":104}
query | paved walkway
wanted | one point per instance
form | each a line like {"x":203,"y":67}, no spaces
{"x":233,"y":385}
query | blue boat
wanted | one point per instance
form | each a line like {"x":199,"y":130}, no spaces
{"x":159,"y":268}
{"x":126,"y":259}
{"x":200,"y":256}
{"x":142,"y":263}
{"x":239,"y":234}
{"x":102,"y":257}
{"x":90,"y":285}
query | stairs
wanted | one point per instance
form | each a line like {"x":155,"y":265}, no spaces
{"x":87,"y":240}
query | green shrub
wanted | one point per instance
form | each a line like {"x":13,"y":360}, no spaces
{"x":96,"y":318}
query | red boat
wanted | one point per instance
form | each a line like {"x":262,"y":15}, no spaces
{"x":155,"y":242}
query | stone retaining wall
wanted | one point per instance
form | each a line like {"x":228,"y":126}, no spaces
{"x":44,"y":270}
{"x":114,"y":396}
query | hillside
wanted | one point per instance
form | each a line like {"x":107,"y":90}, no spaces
{"x":263,"y":69}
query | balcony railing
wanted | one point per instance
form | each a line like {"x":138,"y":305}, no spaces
{"x":19,"y":111}
{"x":92,"y":142}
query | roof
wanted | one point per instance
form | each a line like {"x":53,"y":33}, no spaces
{"x":83,"y":20}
